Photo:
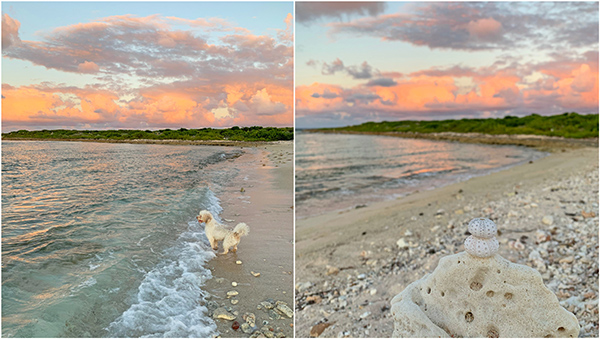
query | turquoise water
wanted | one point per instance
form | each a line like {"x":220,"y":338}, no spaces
{"x":100,"y":240}
{"x":340,"y":171}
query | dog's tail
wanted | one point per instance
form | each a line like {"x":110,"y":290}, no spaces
{"x":241,"y":229}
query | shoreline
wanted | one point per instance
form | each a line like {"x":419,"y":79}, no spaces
{"x":266,"y":178}
{"x":228,"y":143}
{"x":545,"y":143}
{"x":349,"y":265}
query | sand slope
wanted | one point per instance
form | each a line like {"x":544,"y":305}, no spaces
{"x":348,"y":265}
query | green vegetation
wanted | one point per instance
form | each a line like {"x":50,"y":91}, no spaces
{"x":568,"y":125}
{"x":255,"y":133}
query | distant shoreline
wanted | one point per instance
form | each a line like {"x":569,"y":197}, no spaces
{"x":229,"y":143}
{"x":546,"y":143}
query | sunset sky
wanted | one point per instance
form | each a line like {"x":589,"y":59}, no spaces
{"x":146,"y":65}
{"x":358,"y":62}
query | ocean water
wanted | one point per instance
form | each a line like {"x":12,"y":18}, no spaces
{"x":100,"y":240}
{"x":341,"y":171}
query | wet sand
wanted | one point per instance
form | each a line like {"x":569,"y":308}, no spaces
{"x":266,"y":206}
{"x":349,"y":266}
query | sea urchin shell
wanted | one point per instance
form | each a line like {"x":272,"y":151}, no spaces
{"x":482,"y":243}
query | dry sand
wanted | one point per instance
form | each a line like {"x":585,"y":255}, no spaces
{"x":266,"y":206}
{"x":349,"y":266}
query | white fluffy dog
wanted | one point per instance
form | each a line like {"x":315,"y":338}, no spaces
{"x":216,"y":232}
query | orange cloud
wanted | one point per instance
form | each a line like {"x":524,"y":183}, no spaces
{"x":459,"y":91}
{"x":180,"y":79}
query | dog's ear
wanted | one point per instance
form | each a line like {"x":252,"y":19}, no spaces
{"x":208,"y":217}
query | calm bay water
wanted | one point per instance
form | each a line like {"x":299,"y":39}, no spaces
{"x":339,"y":171}
{"x":100,"y":239}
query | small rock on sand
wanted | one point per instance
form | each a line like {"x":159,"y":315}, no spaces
{"x":402,"y":243}
{"x":232,"y":293}
{"x":239,"y":262}
{"x":246,"y":328}
{"x":548,"y":220}
{"x":221,"y":313}
{"x":266,"y":305}
{"x":285,"y":310}
{"x":332,"y":270}
{"x":318,"y":329}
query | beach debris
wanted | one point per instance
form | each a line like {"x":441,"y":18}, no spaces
{"x":284,"y":309}
{"x":239,"y":262}
{"x":256,"y":274}
{"x":332,"y":270}
{"x":542,"y":236}
{"x":499,"y":298}
{"x":246,"y":328}
{"x":402,"y":244}
{"x":548,"y":220}
{"x":235,"y":325}
{"x":250,"y":318}
{"x":222,"y":313}
{"x":273,"y":315}
{"x":516,"y":245}
{"x":482,"y":242}
{"x":266,"y":304}
{"x":313,"y":299}
{"x":316,"y":330}
{"x":234,"y":284}
{"x":588,"y":215}
{"x":242,"y":190}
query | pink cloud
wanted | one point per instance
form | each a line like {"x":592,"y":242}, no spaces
{"x":484,"y":28}
{"x":182,"y":77}
{"x":10,"y":31}
{"x":88,"y":67}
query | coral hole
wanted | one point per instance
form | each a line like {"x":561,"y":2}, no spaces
{"x":476,"y":286}
{"x":428,"y":290}
{"x":469,"y":317}
{"x":508,"y":295}
{"x":493,"y":333}
{"x":490,"y":293}
{"x":561,"y":329}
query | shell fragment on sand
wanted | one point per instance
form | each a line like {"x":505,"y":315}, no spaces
{"x":221,"y":313}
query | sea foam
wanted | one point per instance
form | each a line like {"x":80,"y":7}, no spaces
{"x":168,"y":302}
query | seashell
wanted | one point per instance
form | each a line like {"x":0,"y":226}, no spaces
{"x":481,"y":248}
{"x":483,"y":228}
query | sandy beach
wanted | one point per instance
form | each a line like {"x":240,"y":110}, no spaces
{"x":266,"y":206}
{"x":542,"y":142}
{"x":349,"y":265}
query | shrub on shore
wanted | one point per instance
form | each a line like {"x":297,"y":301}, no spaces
{"x":568,"y":125}
{"x":254,"y":133}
